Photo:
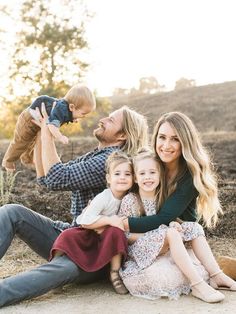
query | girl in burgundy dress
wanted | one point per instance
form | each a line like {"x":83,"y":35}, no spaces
{"x":91,"y":246}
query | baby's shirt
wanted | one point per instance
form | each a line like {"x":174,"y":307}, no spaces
{"x":60,"y":113}
{"x":104,"y":204}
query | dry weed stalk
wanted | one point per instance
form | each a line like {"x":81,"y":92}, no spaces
{"x":7,"y":180}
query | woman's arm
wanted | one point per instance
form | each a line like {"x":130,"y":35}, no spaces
{"x":176,"y":204}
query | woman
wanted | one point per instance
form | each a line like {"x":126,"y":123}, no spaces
{"x":190,"y":193}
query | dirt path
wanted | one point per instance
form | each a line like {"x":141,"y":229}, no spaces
{"x":99,"y":298}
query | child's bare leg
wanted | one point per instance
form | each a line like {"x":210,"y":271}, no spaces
{"x":165,"y":247}
{"x":58,"y":253}
{"x":116,"y":281}
{"x":182,"y":259}
{"x":116,"y":262}
{"x":181,"y":256}
{"x":203,"y":252}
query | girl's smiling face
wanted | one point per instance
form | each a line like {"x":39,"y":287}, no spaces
{"x":120,"y":179}
{"x":147,"y":176}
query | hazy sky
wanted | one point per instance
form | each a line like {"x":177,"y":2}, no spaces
{"x":168,"y":39}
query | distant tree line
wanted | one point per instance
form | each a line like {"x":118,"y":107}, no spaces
{"x":150,"y":85}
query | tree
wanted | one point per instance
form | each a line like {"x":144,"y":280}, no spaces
{"x":119,"y":91}
{"x":183,"y":83}
{"x":47,"y":58}
{"x":149,"y":85}
{"x":48,"y":47}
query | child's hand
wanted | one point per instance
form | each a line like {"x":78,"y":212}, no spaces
{"x":100,"y":229}
{"x":63,"y":139}
{"x":116,"y":221}
{"x":176,"y":225}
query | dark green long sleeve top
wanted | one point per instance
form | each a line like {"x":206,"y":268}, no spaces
{"x":181,"y":203}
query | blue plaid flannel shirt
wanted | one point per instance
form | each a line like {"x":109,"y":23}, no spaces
{"x":84,"y":176}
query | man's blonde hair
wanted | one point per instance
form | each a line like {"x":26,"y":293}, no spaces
{"x":80,"y":95}
{"x":136,"y":129}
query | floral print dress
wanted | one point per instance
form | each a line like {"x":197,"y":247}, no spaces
{"x":147,"y":274}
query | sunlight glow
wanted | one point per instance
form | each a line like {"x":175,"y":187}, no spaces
{"x":168,"y":39}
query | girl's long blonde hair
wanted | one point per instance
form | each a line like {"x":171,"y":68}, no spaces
{"x":196,"y":158}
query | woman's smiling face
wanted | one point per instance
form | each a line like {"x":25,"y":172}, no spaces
{"x":168,"y":146}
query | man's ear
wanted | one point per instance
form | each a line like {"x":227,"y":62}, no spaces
{"x":122,"y":137}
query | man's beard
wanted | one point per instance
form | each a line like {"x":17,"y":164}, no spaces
{"x":97,"y":134}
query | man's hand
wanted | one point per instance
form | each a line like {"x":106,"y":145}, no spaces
{"x":49,"y":152}
{"x":41,"y":119}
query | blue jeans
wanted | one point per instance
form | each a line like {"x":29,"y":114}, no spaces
{"x":38,"y":232}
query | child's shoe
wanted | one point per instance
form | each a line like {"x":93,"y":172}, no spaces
{"x":117,"y":283}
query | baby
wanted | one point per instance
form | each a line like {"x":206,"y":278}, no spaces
{"x":76,"y":104}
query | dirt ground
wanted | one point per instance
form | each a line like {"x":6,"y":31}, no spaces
{"x":100,"y":297}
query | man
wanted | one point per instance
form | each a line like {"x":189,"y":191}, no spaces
{"x":85,"y":177}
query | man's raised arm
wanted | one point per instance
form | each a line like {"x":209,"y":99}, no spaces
{"x":49,"y":152}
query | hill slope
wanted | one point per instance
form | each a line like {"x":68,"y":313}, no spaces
{"x":212,"y":107}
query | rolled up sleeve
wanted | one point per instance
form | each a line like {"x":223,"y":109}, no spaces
{"x":41,"y":181}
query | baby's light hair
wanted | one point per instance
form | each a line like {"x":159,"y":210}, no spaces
{"x":81,"y":96}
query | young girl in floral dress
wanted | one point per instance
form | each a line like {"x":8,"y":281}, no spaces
{"x":144,"y":273}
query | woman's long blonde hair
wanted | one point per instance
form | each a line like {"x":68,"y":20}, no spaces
{"x":196,"y":158}
{"x":136,"y":129}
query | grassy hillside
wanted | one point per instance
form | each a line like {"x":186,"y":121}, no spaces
{"x":212,"y":107}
